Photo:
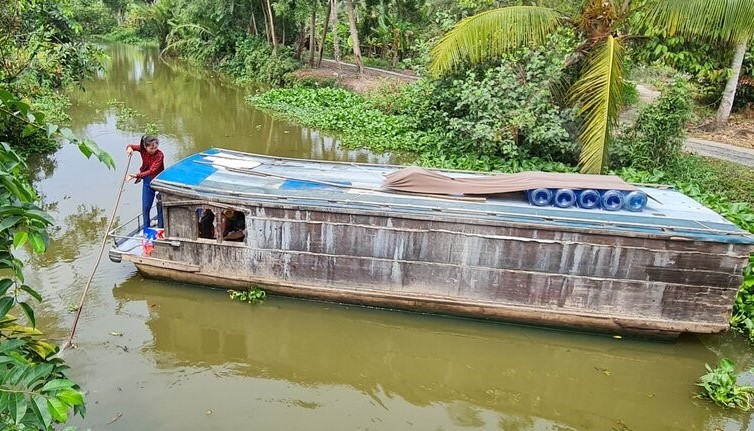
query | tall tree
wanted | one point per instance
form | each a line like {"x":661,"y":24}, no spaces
{"x":730,"y":22}
{"x":324,"y":33}
{"x":354,"y":36}
{"x":596,"y":93}
{"x":271,"y":25}
{"x":313,"y":33}
{"x":335,"y":44}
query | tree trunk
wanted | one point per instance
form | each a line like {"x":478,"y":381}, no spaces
{"x":271,"y":26}
{"x":354,"y":36}
{"x":301,"y":41}
{"x":324,"y":33}
{"x":253,"y":24}
{"x":335,"y":44}
{"x":726,"y":104}
{"x":312,"y":33}
{"x":396,"y":46}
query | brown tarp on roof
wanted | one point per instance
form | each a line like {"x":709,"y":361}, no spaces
{"x":417,"y":180}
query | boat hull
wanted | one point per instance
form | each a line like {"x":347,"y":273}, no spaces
{"x":563,"y":278}
{"x":332,"y":231}
{"x":448,"y":306}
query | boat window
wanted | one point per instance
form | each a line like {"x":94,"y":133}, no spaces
{"x":234,"y":225}
{"x":206,"y":221}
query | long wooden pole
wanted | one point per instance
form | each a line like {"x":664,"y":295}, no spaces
{"x":69,"y":343}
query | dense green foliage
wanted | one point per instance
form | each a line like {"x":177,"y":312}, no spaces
{"x":34,"y":391}
{"x":507,"y":110}
{"x":42,"y":53}
{"x":249,"y":59}
{"x":655,"y":139}
{"x":707,"y":64}
{"x":719,"y":385}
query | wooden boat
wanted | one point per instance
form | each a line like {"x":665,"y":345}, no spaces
{"x":329,"y":231}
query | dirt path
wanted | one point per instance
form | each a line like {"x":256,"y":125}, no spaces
{"x":347,"y":76}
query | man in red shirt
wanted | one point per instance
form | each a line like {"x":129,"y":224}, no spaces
{"x":152,"y":163}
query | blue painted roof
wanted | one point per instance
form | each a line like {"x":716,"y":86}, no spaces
{"x":218,"y":173}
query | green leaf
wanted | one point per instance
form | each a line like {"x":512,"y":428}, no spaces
{"x":85,"y":150}
{"x":57,"y":384}
{"x":68,"y":134}
{"x":39,"y":406}
{"x":31,"y":292}
{"x":36,"y":375}
{"x":17,"y":407}
{"x":37,"y":242}
{"x":29,"y":313}
{"x":41,"y":215}
{"x":71,"y":397}
{"x":51,"y":129}
{"x":491,"y":33}
{"x":28,"y":130}
{"x":9,"y":222}
{"x":6,"y":96}
{"x":22,"y":107}
{"x":598,"y":94}
{"x":11,"y":345}
{"x":6,"y":303}
{"x":57,"y":409}
{"x":19,"y":239}
{"x":5,"y":284}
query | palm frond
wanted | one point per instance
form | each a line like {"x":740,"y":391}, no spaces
{"x":720,"y":20}
{"x":597,"y":95}
{"x":488,"y":34}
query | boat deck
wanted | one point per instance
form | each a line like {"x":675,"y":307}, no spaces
{"x":339,"y":185}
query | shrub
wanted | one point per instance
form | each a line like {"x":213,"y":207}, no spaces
{"x":97,"y":16}
{"x":509,"y":110}
{"x":252,"y":60}
{"x":656,"y":138}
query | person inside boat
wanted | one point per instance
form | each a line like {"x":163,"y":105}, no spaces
{"x":206,"y":223}
{"x":152,"y":163}
{"x":234,"y":226}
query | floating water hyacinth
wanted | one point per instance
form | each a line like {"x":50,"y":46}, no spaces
{"x":540,"y":197}
{"x":564,"y":198}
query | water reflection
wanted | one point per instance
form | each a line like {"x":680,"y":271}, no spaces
{"x":481,"y":375}
{"x":196,"y":113}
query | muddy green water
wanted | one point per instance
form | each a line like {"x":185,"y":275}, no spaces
{"x":189,"y":358}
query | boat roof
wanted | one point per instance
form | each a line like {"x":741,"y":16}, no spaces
{"x":218,"y":174}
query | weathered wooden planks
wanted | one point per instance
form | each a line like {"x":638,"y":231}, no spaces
{"x":581,"y":279}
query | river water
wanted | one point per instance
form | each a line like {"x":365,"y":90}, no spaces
{"x":165,"y":356}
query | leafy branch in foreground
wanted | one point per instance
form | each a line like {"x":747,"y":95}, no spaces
{"x":719,"y":385}
{"x":34,"y":391}
{"x":35,"y":121}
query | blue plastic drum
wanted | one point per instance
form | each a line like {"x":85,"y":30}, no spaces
{"x":588,"y":199}
{"x":564,"y":198}
{"x":540,"y":197}
{"x":612,"y":200}
{"x":636,"y":201}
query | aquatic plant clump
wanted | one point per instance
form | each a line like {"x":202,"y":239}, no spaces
{"x":719,"y":385}
{"x":254,"y":295}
